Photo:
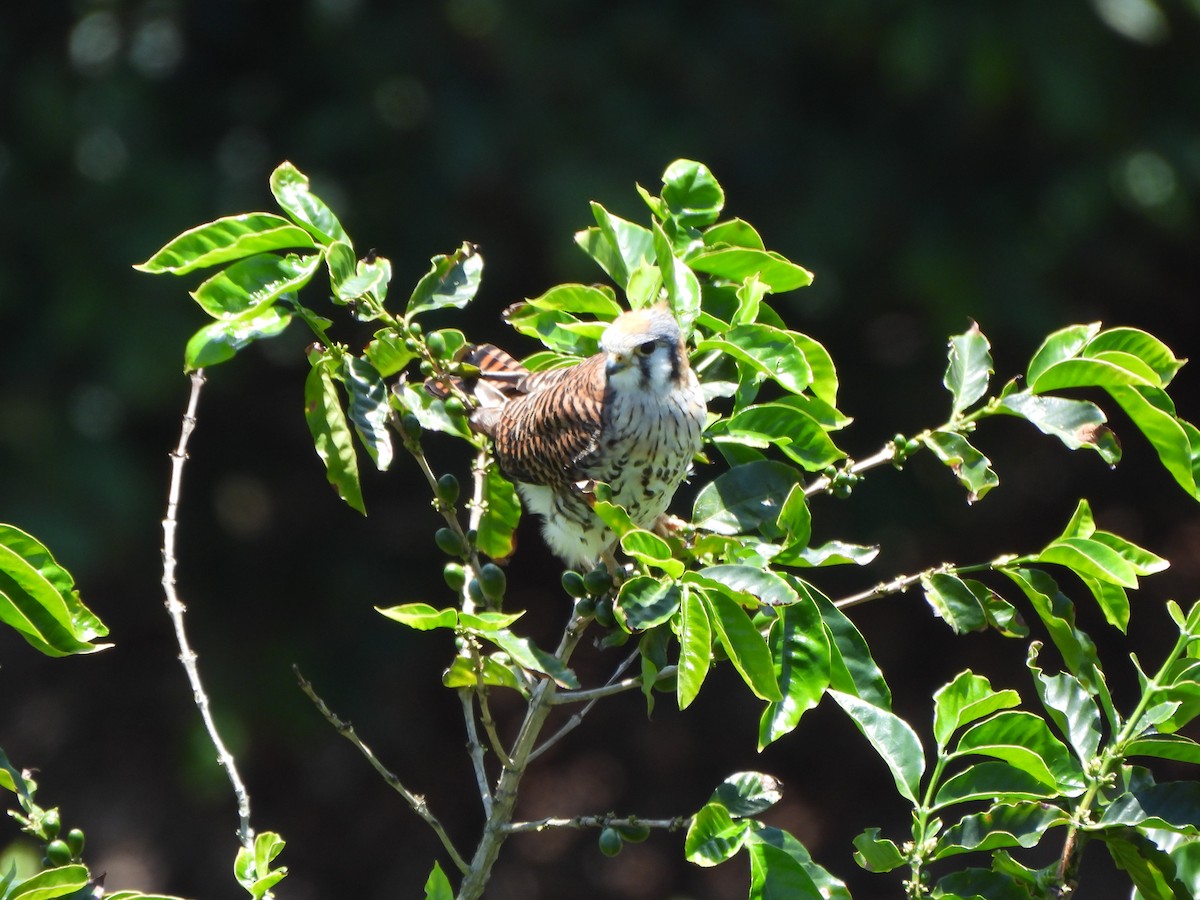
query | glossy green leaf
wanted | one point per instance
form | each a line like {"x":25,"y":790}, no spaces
{"x":452,"y":281}
{"x":828,"y":886}
{"x":970,"y":466}
{"x":1003,"y":616}
{"x":368,"y":409}
{"x":647,"y":547}
{"x":556,"y":329}
{"x":291,"y":190}
{"x":739,"y":263}
{"x":750,"y":294}
{"x":1024,"y":740}
{"x":776,"y":874}
{"x":220,"y":341}
{"x":1176,"y":442}
{"x":429,"y":410}
{"x":795,"y":520}
{"x":38,"y":599}
{"x":488,"y":620}
{"x":529,"y":656}
{"x":1058,"y":615}
{"x":1141,"y":560}
{"x":1090,"y":558}
{"x":695,"y":646}
{"x":1071,"y":708}
{"x":831,"y":553}
{"x":1065,"y":343}
{"x":420,"y":616}
{"x":969,"y":368}
{"x":683,"y":288}
{"x":746,"y":648}
{"x":692,"y":194}
{"x":254,"y":281}
{"x":340,"y":261}
{"x":1112,"y":600}
{"x":956,"y":601}
{"x":387,"y":353}
{"x":1146,"y":347}
{"x":501,"y":515}
{"x":437,"y":885}
{"x":495,"y":672}
{"x":876,"y":854}
{"x":769,"y":588}
{"x":966,"y":699}
{"x":1102,"y":372}
{"x":981,"y":884}
{"x":1173,"y":805}
{"x":1077,"y":423}
{"x":893,"y":739}
{"x":852,"y":668}
{"x":590,"y":299}
{"x":617,"y":245}
{"x":747,"y":793}
{"x":1151,"y":870}
{"x":1165,"y":746}
{"x":992,"y":780}
{"x":224,"y":240}
{"x":735,"y":232}
{"x":799,"y":436}
{"x":370,"y":276}
{"x":770,"y":351}
{"x":1020,"y":824}
{"x":331,"y":432}
{"x":714,"y":836}
{"x":644,"y":602}
{"x":800,"y":649}
{"x":744,"y":497}
{"x":824,"y":384}
{"x":51,"y":883}
{"x":13,"y":780}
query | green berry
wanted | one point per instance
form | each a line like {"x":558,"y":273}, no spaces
{"x":75,"y":842}
{"x":475,"y":592}
{"x":604,"y":613}
{"x":449,"y":542}
{"x":585,"y":606}
{"x":598,"y":580}
{"x":493,"y":581}
{"x":447,"y":489}
{"x":414,"y":328}
{"x":410,"y":345}
{"x":436,"y":344}
{"x":610,"y":842}
{"x":634,"y":833}
{"x":58,"y":853}
{"x":454,"y":407}
{"x":50,"y":823}
{"x":411,"y":426}
{"x":426,"y":368}
{"x":572,"y":583}
{"x":455,"y":576}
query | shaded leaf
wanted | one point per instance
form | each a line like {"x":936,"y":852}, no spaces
{"x":956,"y":601}
{"x":744,"y":497}
{"x":529,"y":656}
{"x":1058,"y":615}
{"x":1072,"y":708}
{"x":828,"y":886}
{"x":852,"y":669}
{"x":1020,"y":824}
{"x":1150,"y":869}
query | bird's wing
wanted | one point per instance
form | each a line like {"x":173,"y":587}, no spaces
{"x":542,"y":434}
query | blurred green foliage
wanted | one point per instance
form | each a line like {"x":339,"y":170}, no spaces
{"x":1026,"y":164}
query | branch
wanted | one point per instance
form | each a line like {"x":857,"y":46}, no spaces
{"x":475,"y":749}
{"x":176,"y":608}
{"x":415,"y":801}
{"x":598,"y":822}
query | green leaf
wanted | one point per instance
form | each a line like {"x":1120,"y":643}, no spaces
{"x":828,"y":886}
{"x":421,"y":616}
{"x":692,"y":194}
{"x":387,"y":352}
{"x":1151,"y":870}
{"x":494,"y":672}
{"x":739,"y":263}
{"x":1165,"y":746}
{"x":644,"y":602}
{"x":992,"y":780}
{"x":1176,"y":442}
{"x":746,"y":648}
{"x":617,"y":245}
{"x":1020,"y":824}
{"x":982,"y":884}
{"x":370,"y":276}
{"x":38,"y":599}
{"x":746,"y":794}
{"x":824,"y":380}
{"x":966,"y":699}
{"x":683,"y":288}
{"x":852,"y":669}
{"x":1090,"y":558}
{"x":430,"y":411}
{"x":831,"y":553}
{"x":647,"y":547}
{"x":795,"y":520}
{"x":11,"y":779}
{"x":254,"y":281}
{"x":893,"y":739}
{"x":51,"y":883}
{"x":970,"y":466}
{"x":501,"y":515}
{"x":1072,"y":708}
{"x":800,"y":649}
{"x":220,"y":341}
{"x":452,"y":281}
{"x":770,"y":351}
{"x":956,"y":601}
{"x":1103,"y":372}
{"x":1141,"y":560}
{"x":556,"y":329}
{"x":1146,"y":347}
{"x":1077,"y":423}
{"x":590,"y":299}
{"x":695,"y":646}
{"x":1058,"y":615}
{"x":437,"y":885}
{"x":529,"y":656}
{"x":876,"y":854}
{"x":775,"y":874}
{"x":799,"y":436}
{"x":1173,"y":805}
{"x":331,"y":432}
{"x":768,"y":587}
{"x":368,"y":409}
{"x":291,"y":190}
{"x":969,"y":369}
{"x":1066,"y":343}
{"x":224,"y":240}
{"x":713,"y":836}
{"x":1025,"y":741}
{"x":735,"y":232}
{"x":744,"y":497}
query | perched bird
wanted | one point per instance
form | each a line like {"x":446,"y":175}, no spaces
{"x":631,"y":416}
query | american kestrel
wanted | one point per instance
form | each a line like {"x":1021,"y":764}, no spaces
{"x":631,"y":416}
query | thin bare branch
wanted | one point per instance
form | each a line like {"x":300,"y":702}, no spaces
{"x":475,"y":749}
{"x":176,"y":609}
{"x":599,"y":822}
{"x":415,"y":801}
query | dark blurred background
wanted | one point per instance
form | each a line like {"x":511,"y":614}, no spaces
{"x":1025,"y":164}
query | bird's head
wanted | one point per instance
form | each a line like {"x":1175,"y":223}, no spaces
{"x":644,"y":350}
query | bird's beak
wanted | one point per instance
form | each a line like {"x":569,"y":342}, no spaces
{"x":617,"y":362}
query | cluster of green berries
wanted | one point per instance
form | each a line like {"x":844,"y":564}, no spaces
{"x":60,"y":851}
{"x":903,"y":448}
{"x":613,"y":837}
{"x":841,"y":481}
{"x":593,"y":594}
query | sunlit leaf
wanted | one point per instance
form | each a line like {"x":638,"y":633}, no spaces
{"x":1090,"y":558}
{"x":1176,"y":442}
{"x":331,"y":432}
{"x":740,"y":263}
{"x":647,"y":547}
{"x":291,"y":189}
{"x":1146,"y":347}
{"x":1058,"y":615}
{"x":852,"y":668}
{"x":956,"y":601}
{"x":969,"y":369}
{"x":617,"y":245}
{"x":893,"y":739}
{"x":463,"y":673}
{"x":714,"y":836}
{"x":254,"y":281}
{"x":692,"y":194}
{"x":1072,"y":708}
{"x":831,"y":553}
{"x":1020,"y":824}
{"x":590,"y":299}
{"x":775,"y":873}
{"x":992,"y":780}
{"x":451,"y":281}
{"x":501,"y":515}
{"x":876,"y":854}
{"x":769,"y":350}
{"x":1025,"y":741}
{"x":683,"y":288}
{"x":1065,"y":343}
{"x":1077,"y":423}
{"x":51,"y":883}
{"x":420,"y":616}
{"x":695,"y":646}
{"x":368,"y":409}
{"x":224,"y":240}
{"x":529,"y":656}
{"x":744,"y":497}
{"x":798,"y":435}
{"x":220,"y":341}
{"x":735,"y":232}
{"x":966,"y":699}
{"x":971,"y":467}
{"x":800,"y":649}
{"x":768,"y":587}
{"x":746,"y":648}
{"x":437,"y":885}
{"x":644,"y":602}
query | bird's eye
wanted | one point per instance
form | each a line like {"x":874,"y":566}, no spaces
{"x":646,"y":348}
